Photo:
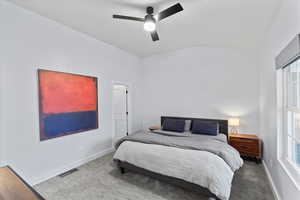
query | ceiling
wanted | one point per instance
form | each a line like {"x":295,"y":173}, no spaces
{"x":214,"y":23}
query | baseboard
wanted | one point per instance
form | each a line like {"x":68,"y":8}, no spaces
{"x":65,"y":168}
{"x":274,"y":189}
{"x":3,"y":163}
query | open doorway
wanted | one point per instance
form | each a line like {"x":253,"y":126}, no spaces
{"x":120,"y":111}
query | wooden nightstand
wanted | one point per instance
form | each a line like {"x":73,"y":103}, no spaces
{"x":152,"y":128}
{"x":247,"y":145}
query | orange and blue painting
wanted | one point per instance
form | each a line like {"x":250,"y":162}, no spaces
{"x":68,"y":103}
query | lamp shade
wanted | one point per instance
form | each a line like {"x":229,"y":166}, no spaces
{"x":234,"y":122}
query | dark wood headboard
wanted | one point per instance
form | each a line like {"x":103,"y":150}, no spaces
{"x":223,"y":124}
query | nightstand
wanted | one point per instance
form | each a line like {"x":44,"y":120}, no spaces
{"x":247,"y":145}
{"x":153,"y":128}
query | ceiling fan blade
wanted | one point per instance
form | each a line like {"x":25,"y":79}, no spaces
{"x":154,"y":36}
{"x":129,"y":18}
{"x":170,"y":11}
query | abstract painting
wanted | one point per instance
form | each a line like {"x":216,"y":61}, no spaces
{"x":68,"y":103}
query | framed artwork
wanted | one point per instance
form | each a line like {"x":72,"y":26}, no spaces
{"x":68,"y":103}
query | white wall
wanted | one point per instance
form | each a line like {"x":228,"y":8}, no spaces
{"x":284,"y":28}
{"x":29,"y":42}
{"x":202,"y":82}
{"x":2,"y":148}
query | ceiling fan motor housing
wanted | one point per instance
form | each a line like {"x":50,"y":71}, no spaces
{"x":149,"y":10}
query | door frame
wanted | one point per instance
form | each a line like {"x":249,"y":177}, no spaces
{"x":128,"y":108}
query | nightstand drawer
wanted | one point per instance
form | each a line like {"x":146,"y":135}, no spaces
{"x":244,"y":140}
{"x":246,"y":149}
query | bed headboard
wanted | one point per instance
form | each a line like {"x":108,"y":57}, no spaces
{"x":223,"y":124}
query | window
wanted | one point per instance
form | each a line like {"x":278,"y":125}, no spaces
{"x":288,"y":105}
{"x":290,"y":138}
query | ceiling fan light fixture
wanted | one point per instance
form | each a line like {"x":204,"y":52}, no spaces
{"x":149,"y":24}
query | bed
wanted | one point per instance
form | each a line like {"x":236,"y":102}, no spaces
{"x":207,"y":163}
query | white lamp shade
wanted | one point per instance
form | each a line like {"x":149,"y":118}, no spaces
{"x":149,"y":26}
{"x":234,"y":122}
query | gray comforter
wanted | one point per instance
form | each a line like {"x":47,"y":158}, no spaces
{"x":209,"y":144}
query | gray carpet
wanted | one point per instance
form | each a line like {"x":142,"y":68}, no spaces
{"x":100,"y":179}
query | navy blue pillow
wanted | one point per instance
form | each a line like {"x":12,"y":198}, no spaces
{"x":176,"y":125}
{"x":205,"y":127}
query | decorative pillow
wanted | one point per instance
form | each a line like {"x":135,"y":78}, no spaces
{"x":205,"y":127}
{"x":187,"y":126}
{"x":176,"y":125}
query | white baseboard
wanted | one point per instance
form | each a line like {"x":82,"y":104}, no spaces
{"x":65,"y":168}
{"x":274,"y":189}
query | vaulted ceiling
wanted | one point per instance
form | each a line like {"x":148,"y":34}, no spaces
{"x":214,"y":23}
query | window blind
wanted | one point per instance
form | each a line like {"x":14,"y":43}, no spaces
{"x":289,"y":54}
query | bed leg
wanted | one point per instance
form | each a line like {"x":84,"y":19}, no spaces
{"x":122,"y":170}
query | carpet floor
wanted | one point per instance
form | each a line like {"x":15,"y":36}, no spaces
{"x":101,"y":180}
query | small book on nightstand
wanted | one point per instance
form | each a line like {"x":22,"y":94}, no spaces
{"x":247,"y":145}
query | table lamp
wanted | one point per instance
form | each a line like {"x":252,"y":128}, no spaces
{"x":234,"y":123}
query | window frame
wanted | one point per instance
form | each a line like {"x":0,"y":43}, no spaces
{"x":289,"y":167}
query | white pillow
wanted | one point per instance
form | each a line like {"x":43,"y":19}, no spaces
{"x":187,"y":125}
{"x":171,"y":133}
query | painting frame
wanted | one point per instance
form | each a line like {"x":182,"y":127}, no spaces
{"x":43,"y":115}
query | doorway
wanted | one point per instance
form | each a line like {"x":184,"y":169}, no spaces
{"x":120,"y":111}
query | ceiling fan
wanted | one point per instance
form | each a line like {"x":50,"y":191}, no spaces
{"x":150,"y":20}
